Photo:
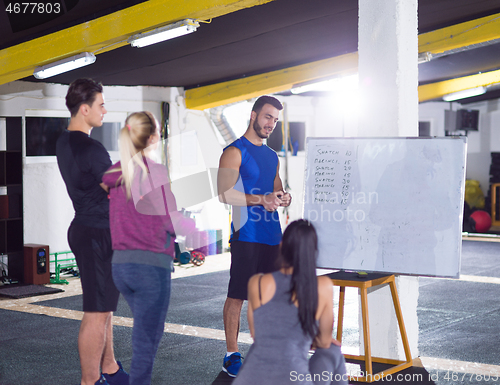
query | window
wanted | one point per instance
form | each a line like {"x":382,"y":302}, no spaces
{"x":42,"y":134}
{"x":297,"y":137}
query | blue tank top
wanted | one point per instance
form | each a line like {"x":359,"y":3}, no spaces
{"x":257,"y":173}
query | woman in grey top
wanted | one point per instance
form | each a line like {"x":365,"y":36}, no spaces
{"x":289,"y":311}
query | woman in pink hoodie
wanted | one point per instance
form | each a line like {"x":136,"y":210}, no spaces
{"x":144,"y":221}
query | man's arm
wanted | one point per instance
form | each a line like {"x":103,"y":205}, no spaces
{"x":99,"y":161}
{"x":229,"y":166}
{"x":104,"y":187}
{"x":285,"y":197}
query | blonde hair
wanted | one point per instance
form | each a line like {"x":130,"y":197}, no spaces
{"x":133,"y":139}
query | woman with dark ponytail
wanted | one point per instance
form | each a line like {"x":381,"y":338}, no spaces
{"x":289,"y":311}
{"x":144,"y":221}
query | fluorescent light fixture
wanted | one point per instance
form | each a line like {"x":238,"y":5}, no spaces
{"x":464,"y":94}
{"x":64,"y":65}
{"x":340,"y":84}
{"x":424,"y":57}
{"x":157,"y":35}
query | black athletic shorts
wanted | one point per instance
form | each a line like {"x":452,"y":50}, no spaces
{"x":92,"y":249}
{"x":247,"y":259}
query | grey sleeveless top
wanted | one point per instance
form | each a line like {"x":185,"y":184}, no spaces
{"x":279,"y":354}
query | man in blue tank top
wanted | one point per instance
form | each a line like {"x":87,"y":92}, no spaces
{"x":249,"y":180}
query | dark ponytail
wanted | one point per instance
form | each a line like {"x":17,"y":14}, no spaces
{"x":299,"y":249}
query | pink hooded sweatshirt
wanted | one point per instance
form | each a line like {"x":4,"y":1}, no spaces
{"x":149,"y":219}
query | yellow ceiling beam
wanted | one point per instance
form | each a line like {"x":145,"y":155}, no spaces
{"x":439,"y":89}
{"x":460,"y":35}
{"x":109,"y":32}
{"x":445,"y":39}
{"x":268,"y":83}
{"x":454,"y":37}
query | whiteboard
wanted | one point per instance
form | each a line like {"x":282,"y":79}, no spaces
{"x":390,"y":205}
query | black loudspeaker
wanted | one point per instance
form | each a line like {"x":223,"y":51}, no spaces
{"x":36,"y":264}
{"x":468,"y":120}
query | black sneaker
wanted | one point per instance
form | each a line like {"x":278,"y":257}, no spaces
{"x":118,"y":378}
{"x":101,"y":381}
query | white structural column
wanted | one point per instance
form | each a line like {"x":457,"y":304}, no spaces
{"x":388,"y":77}
{"x":388,"y":67}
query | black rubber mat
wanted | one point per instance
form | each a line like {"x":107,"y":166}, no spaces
{"x":411,"y":375}
{"x":223,"y":379}
{"x":23,"y":291}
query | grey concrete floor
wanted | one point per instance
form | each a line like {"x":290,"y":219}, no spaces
{"x":459,"y":322}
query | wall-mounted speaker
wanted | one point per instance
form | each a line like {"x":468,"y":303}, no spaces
{"x":36,"y":264}
{"x":467,"y":120}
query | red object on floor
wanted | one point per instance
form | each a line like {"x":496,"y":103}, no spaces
{"x":482,"y":219}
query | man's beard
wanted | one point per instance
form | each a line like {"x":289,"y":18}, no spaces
{"x":258,"y":130}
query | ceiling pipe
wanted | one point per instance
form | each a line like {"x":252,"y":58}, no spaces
{"x":464,"y":48}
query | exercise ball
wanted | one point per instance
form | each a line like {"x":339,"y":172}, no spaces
{"x":482,"y":219}
{"x":185,"y":257}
